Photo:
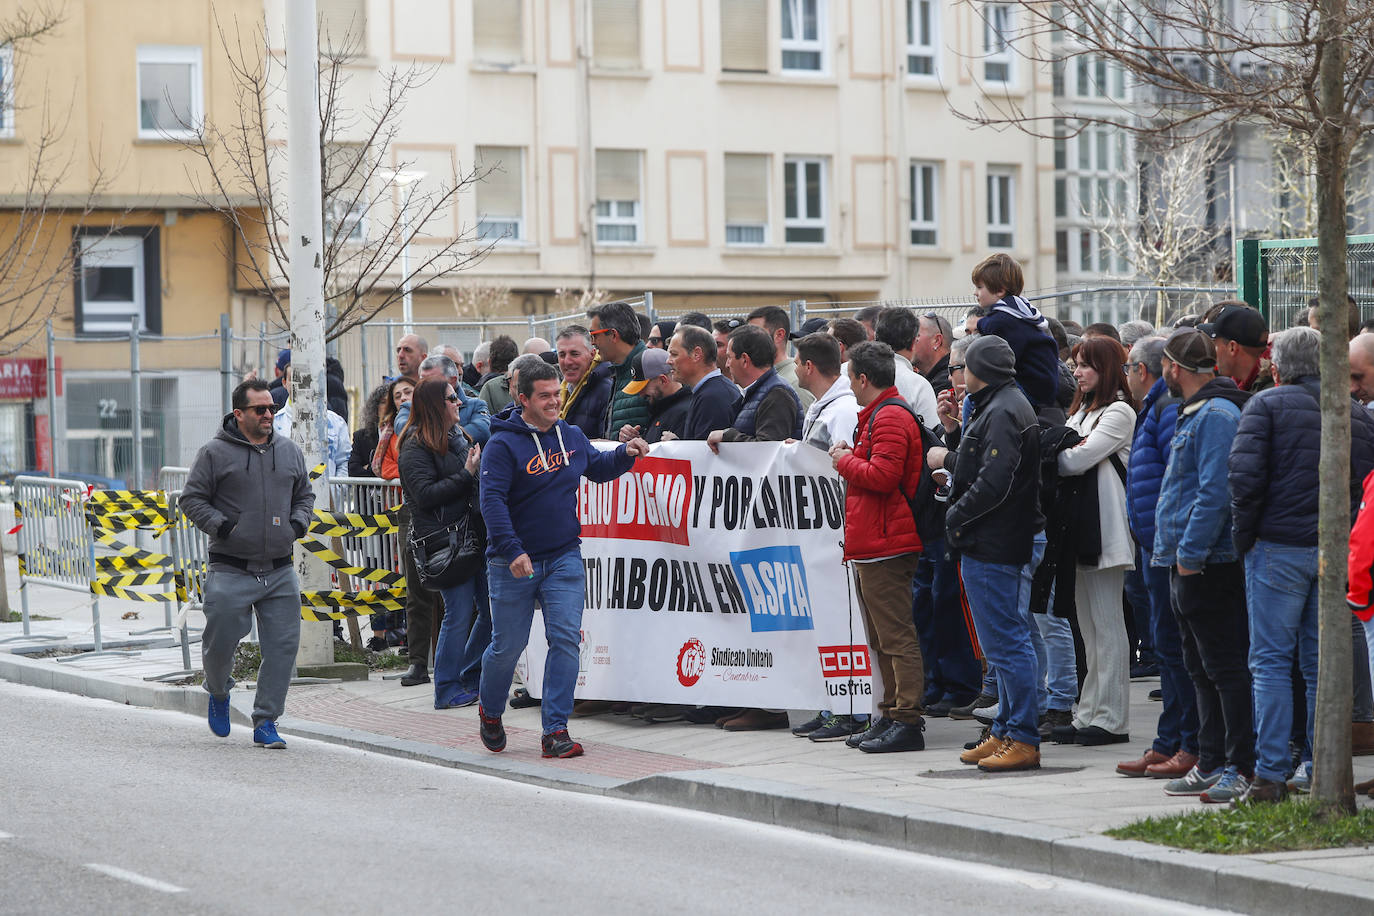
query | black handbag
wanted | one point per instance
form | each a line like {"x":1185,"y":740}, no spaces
{"x":452,"y":555}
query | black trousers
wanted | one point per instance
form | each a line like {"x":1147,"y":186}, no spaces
{"x":1215,"y":630}
{"x":424,"y":610}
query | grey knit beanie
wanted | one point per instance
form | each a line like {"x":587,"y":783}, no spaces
{"x":991,"y":359}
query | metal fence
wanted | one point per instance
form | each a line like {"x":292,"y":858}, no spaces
{"x":1279,"y":276}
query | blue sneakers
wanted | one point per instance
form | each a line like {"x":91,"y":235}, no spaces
{"x":459,"y":699}
{"x":265,"y":735}
{"x":219,"y":716}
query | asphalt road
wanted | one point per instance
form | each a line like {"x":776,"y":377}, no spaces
{"x":112,"y":809}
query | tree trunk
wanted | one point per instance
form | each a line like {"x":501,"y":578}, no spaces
{"x":1333,"y":783}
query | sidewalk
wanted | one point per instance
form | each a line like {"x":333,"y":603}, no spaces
{"x":1048,"y":821}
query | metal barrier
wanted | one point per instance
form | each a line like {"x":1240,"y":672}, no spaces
{"x":189,"y":548}
{"x":366,"y":496}
{"x":56,"y":547}
{"x":172,"y":478}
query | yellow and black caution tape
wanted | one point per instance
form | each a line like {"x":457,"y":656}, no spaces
{"x":352,"y":524}
{"x":371,"y":574}
{"x":340,"y":605}
{"x":117,"y":587}
{"x":127,"y":500}
{"x":128,"y":556}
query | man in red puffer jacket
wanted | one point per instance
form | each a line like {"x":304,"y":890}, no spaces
{"x":880,"y":539}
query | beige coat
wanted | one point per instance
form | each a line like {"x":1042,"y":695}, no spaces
{"x":1106,"y":431}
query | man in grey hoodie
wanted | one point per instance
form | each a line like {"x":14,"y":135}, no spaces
{"x":249,"y":491}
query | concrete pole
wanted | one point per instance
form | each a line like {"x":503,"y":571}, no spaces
{"x":307,"y":291}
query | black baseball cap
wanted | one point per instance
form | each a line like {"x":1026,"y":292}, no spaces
{"x":810,"y":326}
{"x":1240,"y":323}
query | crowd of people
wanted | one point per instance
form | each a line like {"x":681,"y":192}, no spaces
{"x":1036,"y":512}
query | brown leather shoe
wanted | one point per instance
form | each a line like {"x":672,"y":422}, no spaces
{"x":756,"y":720}
{"x":1365,"y":788}
{"x":989,"y":746}
{"x":1137,"y":767}
{"x":1173,"y":768}
{"x":1014,"y":755}
{"x":1361,"y":739}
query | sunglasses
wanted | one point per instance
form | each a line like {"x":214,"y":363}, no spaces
{"x":261,"y":410}
{"x":956,"y":367}
{"x":602,"y":331}
{"x":451,"y":398}
{"x":656,"y":341}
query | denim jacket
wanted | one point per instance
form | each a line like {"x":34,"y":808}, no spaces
{"x":1193,"y":518}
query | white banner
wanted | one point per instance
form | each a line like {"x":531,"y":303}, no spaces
{"x":716,"y":580}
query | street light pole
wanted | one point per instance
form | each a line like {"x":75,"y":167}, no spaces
{"x":307,"y":292}
{"x":408,"y":179}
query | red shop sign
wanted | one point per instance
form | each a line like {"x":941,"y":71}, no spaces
{"x":23,"y":378}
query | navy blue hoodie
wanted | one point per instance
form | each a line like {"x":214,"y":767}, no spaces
{"x":529,"y":486}
{"x":1022,"y":326}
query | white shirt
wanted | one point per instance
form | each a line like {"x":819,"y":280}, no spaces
{"x":339,"y":443}
{"x":916,"y":391}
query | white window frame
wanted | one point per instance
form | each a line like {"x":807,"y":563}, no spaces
{"x":172,"y":54}
{"x":6,"y":90}
{"x":616,"y":217}
{"x":799,"y":187}
{"x":518,"y":222}
{"x":919,"y":203}
{"x":122,"y":251}
{"x":815,"y":45}
{"x":1002,"y":205}
{"x":993,"y":36}
{"x":914,"y":46}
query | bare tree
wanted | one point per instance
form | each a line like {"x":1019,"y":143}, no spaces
{"x":373,"y":212}
{"x":1291,"y":187}
{"x":1200,"y":68}
{"x":479,"y":301}
{"x":37,"y":256}
{"x":1165,"y":234}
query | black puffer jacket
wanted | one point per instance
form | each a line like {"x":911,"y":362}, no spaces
{"x":438,"y":489}
{"x":994,"y":501}
{"x":1272,"y":469}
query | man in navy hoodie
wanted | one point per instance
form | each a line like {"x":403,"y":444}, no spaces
{"x":998,"y":282}
{"x":531,"y":469}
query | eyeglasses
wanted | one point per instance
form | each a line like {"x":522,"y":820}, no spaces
{"x":261,"y":410}
{"x":1129,"y":366}
{"x":602,"y":331}
{"x":452,"y":398}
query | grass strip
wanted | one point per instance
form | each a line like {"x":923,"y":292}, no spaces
{"x":1294,"y":824}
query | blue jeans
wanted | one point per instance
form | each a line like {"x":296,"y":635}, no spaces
{"x":1177,"y":728}
{"x":559,"y":584}
{"x":1023,"y":597}
{"x":1138,"y":595}
{"x":471,"y":671}
{"x":1061,"y":666}
{"x":952,"y":670}
{"x":993,"y":590}
{"x":458,"y":655}
{"x":1281,"y":589}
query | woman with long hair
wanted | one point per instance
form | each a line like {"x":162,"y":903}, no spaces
{"x":438,"y":465}
{"x":1103,"y":413}
{"x":367,"y":435}
{"x":398,"y":394}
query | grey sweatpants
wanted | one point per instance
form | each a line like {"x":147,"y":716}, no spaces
{"x":231,"y":597}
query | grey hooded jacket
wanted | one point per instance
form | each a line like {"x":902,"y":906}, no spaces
{"x":253,"y":501}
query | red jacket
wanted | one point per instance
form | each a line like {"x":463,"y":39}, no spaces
{"x":1360,"y":569}
{"x":877,"y":518}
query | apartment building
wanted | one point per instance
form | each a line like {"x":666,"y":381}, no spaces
{"x":716,"y":152}
{"x":109,"y":94}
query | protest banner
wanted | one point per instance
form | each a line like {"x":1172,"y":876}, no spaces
{"x":717,"y":580}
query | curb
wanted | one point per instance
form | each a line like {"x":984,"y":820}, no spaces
{"x":1240,"y":883}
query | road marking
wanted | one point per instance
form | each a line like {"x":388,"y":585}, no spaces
{"x":135,"y":878}
{"x":6,"y":836}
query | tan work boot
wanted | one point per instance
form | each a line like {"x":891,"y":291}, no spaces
{"x":1014,"y":755}
{"x":991,"y":745}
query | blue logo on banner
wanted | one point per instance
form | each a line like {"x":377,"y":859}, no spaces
{"x":773,"y":582}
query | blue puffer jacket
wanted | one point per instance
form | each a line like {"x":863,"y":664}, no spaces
{"x":1193,"y":519}
{"x":1154,"y":433}
{"x":1273,"y":464}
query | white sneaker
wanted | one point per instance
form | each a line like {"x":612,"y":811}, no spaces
{"x":987,"y":714}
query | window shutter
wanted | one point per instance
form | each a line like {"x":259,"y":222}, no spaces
{"x":343,"y":25}
{"x":615,"y":33}
{"x":617,"y":174}
{"x":498,"y":193}
{"x":744,"y":35}
{"x":746,"y":189}
{"x":496,"y":33}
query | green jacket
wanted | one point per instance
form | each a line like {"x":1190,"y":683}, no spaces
{"x":625,"y":408}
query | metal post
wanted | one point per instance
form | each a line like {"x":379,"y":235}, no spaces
{"x":136,"y":416}
{"x":529,"y":323}
{"x":52,"y":400}
{"x":390,"y":344}
{"x":307,"y":291}
{"x":797,"y":310}
{"x":366,"y":388}
{"x":262,"y":351}
{"x":649,"y":307}
{"x":407,"y":307}
{"x":226,"y":365}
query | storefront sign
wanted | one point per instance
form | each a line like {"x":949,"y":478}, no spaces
{"x":23,"y":379}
